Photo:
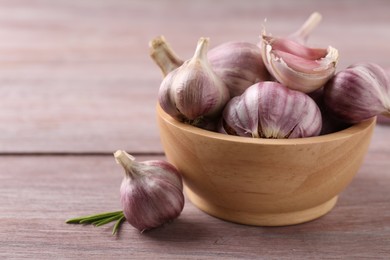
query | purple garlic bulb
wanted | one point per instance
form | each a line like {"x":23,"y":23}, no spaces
{"x":270,"y":110}
{"x":359,"y":92}
{"x":239,"y":65}
{"x":151,"y":192}
{"x":193,"y":93}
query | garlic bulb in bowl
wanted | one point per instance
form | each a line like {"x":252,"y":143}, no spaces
{"x":359,"y":92}
{"x":270,"y":110}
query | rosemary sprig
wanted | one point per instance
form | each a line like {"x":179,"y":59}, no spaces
{"x":101,"y":219}
{"x":118,"y":225}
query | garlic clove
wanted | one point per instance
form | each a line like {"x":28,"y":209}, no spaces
{"x":151,"y":192}
{"x":193,"y":93}
{"x":270,"y":110}
{"x":359,"y":92}
{"x":163,"y":55}
{"x":239,"y":65}
{"x":294,"y":64}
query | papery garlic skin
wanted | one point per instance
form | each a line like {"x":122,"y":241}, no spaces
{"x":193,"y":91}
{"x":295,"y":65}
{"x":239,"y":65}
{"x":359,"y":92}
{"x":163,"y":55}
{"x":151,"y":192}
{"x":270,"y":110}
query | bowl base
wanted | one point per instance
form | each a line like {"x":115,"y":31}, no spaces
{"x":261,"y":219}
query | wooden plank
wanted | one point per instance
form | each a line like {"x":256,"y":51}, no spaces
{"x":37,"y":194}
{"x":75,"y":76}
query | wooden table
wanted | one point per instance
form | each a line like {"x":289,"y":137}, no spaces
{"x":77,"y":83}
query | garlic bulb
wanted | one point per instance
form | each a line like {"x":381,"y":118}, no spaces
{"x":239,"y":65}
{"x":270,"y":110}
{"x":193,"y":93}
{"x":151,"y":192}
{"x":295,"y":65}
{"x":359,"y":92}
{"x":163,"y":55}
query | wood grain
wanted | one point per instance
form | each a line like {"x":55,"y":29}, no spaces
{"x":264,"y":182}
{"x":75,"y":78}
{"x":39,"y":192}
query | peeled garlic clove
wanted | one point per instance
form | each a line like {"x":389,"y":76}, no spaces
{"x":151,"y":192}
{"x":270,"y":110}
{"x":359,"y":92}
{"x":163,"y":55}
{"x":193,"y":91}
{"x":239,"y":65}
{"x":295,"y":65}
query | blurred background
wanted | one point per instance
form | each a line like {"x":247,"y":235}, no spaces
{"x":76,"y":76}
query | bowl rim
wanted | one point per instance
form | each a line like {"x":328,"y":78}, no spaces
{"x":342,"y":134}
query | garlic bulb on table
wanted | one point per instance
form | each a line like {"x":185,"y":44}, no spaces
{"x":151,"y":195}
{"x":193,"y":93}
{"x":151,"y":192}
{"x":295,"y":65}
{"x":270,"y":110}
{"x":359,"y":92}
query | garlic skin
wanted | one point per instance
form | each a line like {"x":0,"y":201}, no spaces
{"x":151,"y":192}
{"x":193,"y":93}
{"x":270,"y":110}
{"x":330,"y":124}
{"x":239,"y":65}
{"x":295,"y":65}
{"x":163,"y":55}
{"x":359,"y":92}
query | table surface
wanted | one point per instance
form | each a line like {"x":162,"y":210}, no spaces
{"x":77,"y":83}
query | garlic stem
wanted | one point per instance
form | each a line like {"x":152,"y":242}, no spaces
{"x":310,"y":24}
{"x":126,"y":160}
{"x":163,"y":55}
{"x":201,"y":49}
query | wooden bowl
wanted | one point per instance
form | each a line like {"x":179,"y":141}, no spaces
{"x":264,"y":182}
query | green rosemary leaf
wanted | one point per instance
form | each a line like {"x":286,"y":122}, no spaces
{"x":91,"y":218}
{"x":118,"y":224}
{"x":106,"y":220}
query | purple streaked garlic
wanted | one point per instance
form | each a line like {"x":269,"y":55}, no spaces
{"x":358,"y":92}
{"x":270,"y":110}
{"x":239,"y":65}
{"x":151,"y":192}
{"x":193,"y":93}
{"x":294,"y":64}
